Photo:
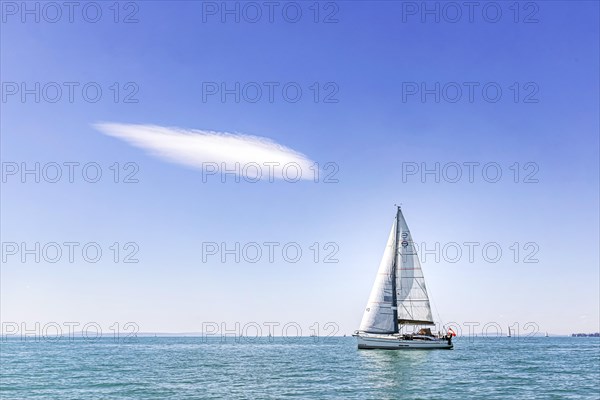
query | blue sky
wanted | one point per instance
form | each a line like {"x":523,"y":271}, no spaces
{"x":370,"y":133}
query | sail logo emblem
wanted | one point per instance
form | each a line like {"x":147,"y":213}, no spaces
{"x":404,"y":236}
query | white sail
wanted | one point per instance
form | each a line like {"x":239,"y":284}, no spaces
{"x":413,"y":301}
{"x":379,"y":316}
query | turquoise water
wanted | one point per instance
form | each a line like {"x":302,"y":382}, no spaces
{"x":331,"y":368}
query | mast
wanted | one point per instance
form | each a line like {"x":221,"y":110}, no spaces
{"x":395,"y":276}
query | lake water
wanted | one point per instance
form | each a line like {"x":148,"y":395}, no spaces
{"x":188,"y":368}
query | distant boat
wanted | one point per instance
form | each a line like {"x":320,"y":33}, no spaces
{"x":509,"y":331}
{"x":546,"y":334}
{"x":399,"y":299}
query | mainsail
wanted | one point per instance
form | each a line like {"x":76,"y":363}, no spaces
{"x":399,"y":294}
{"x":413,"y":301}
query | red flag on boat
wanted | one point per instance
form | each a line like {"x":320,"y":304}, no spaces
{"x":450,"y":331}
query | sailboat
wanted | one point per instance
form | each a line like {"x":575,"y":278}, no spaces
{"x":508,"y":331}
{"x":399,"y":300}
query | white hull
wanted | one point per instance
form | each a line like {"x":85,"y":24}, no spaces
{"x":393,"y":342}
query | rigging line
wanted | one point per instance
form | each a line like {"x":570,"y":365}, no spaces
{"x":431,"y":302}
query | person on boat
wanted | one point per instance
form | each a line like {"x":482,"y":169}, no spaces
{"x":425,"y":332}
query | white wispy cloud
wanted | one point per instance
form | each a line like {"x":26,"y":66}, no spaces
{"x":198,"y":148}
